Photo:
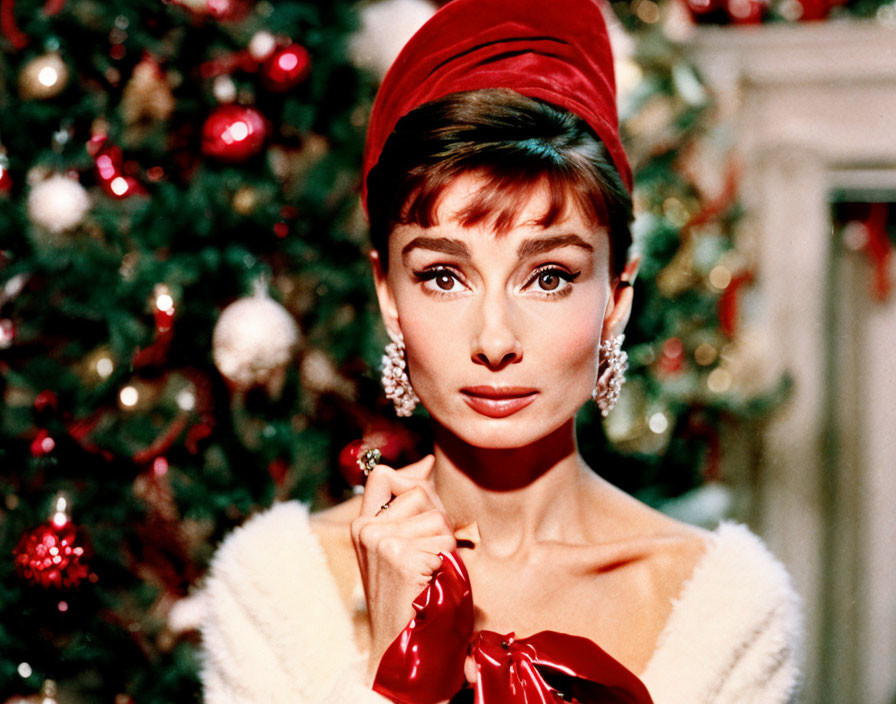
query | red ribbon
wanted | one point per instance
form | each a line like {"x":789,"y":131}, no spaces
{"x":425,"y":664}
{"x":879,"y":249}
{"x":729,"y":302}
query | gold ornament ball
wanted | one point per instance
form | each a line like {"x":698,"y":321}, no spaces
{"x":43,"y":77}
{"x":244,"y":200}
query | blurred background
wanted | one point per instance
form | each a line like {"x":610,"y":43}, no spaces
{"x":187,"y":329}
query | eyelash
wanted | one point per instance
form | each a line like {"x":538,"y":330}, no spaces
{"x":567,"y":276}
{"x":433,"y":273}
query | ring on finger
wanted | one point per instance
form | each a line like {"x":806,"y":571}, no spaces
{"x":384,"y":507}
{"x":369,"y":459}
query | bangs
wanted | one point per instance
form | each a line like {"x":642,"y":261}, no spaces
{"x":515,"y":146}
{"x":503,"y":195}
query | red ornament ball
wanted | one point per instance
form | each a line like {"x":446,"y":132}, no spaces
{"x":110,"y":169}
{"x":43,"y":444}
{"x":390,"y":444}
{"x":348,"y":463}
{"x":286,"y":68}
{"x":233,"y":133}
{"x":5,"y":178}
{"x":52,"y":555}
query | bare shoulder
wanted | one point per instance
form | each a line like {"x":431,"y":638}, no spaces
{"x":338,"y":516}
{"x":679,"y":548}
{"x":331,"y":527}
{"x":667,"y":550}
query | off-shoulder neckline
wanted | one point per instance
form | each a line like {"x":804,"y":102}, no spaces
{"x":663,"y":641}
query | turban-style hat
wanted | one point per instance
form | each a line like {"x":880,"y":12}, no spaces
{"x":554,"y":50}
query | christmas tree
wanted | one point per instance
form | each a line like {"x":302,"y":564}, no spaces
{"x":179,"y":198}
{"x":187,"y":331}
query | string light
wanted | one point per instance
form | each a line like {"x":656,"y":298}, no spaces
{"x":719,"y":380}
{"x":720,"y":277}
{"x":104,"y":367}
{"x":186,"y":400}
{"x":119,"y":185}
{"x":658,"y":423}
{"x":60,"y":512}
{"x":48,"y":76}
{"x":164,"y":301}
{"x":129,"y":396}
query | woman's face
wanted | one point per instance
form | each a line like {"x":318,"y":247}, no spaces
{"x":502,"y":330}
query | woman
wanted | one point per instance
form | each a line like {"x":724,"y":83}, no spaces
{"x":500,"y":567}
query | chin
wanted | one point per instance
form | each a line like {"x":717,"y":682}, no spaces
{"x":518,"y":430}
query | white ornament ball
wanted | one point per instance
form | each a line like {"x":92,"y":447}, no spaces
{"x":254,"y":340}
{"x":262,"y":45}
{"x":224,"y":89}
{"x":386,"y":27}
{"x":58,"y":203}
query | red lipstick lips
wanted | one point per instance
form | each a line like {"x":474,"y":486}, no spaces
{"x":498,"y":402}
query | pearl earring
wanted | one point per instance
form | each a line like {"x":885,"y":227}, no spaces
{"x":395,"y":379}
{"x":612,"y":365}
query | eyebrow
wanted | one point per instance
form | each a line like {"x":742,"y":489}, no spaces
{"x":540,"y":245}
{"x":527,"y":248}
{"x":445,"y":245}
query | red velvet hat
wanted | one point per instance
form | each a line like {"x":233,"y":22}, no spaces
{"x":555,"y":50}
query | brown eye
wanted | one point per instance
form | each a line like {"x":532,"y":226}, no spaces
{"x":445,"y":282}
{"x":548,"y":281}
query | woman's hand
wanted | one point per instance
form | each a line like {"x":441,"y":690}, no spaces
{"x":397,"y":547}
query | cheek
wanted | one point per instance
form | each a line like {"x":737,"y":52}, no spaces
{"x":433,"y":339}
{"x":571,"y":346}
{"x":432,"y":342}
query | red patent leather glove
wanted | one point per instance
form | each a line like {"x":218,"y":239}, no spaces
{"x":424,"y":665}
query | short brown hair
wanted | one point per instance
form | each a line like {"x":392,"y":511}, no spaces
{"x":516,"y":143}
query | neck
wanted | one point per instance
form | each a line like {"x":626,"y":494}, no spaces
{"x":517,"y":497}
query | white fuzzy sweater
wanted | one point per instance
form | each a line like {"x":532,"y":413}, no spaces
{"x":276,"y":631}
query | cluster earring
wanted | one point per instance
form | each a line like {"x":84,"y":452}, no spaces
{"x":612,"y":365}
{"x":395,"y":379}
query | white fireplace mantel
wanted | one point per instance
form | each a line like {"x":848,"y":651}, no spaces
{"x":812,"y":110}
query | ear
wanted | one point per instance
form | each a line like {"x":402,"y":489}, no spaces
{"x":388,"y":308}
{"x":620,"y":306}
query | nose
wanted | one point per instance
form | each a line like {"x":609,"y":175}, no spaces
{"x":495,"y":343}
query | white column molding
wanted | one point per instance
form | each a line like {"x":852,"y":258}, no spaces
{"x":812,"y":108}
